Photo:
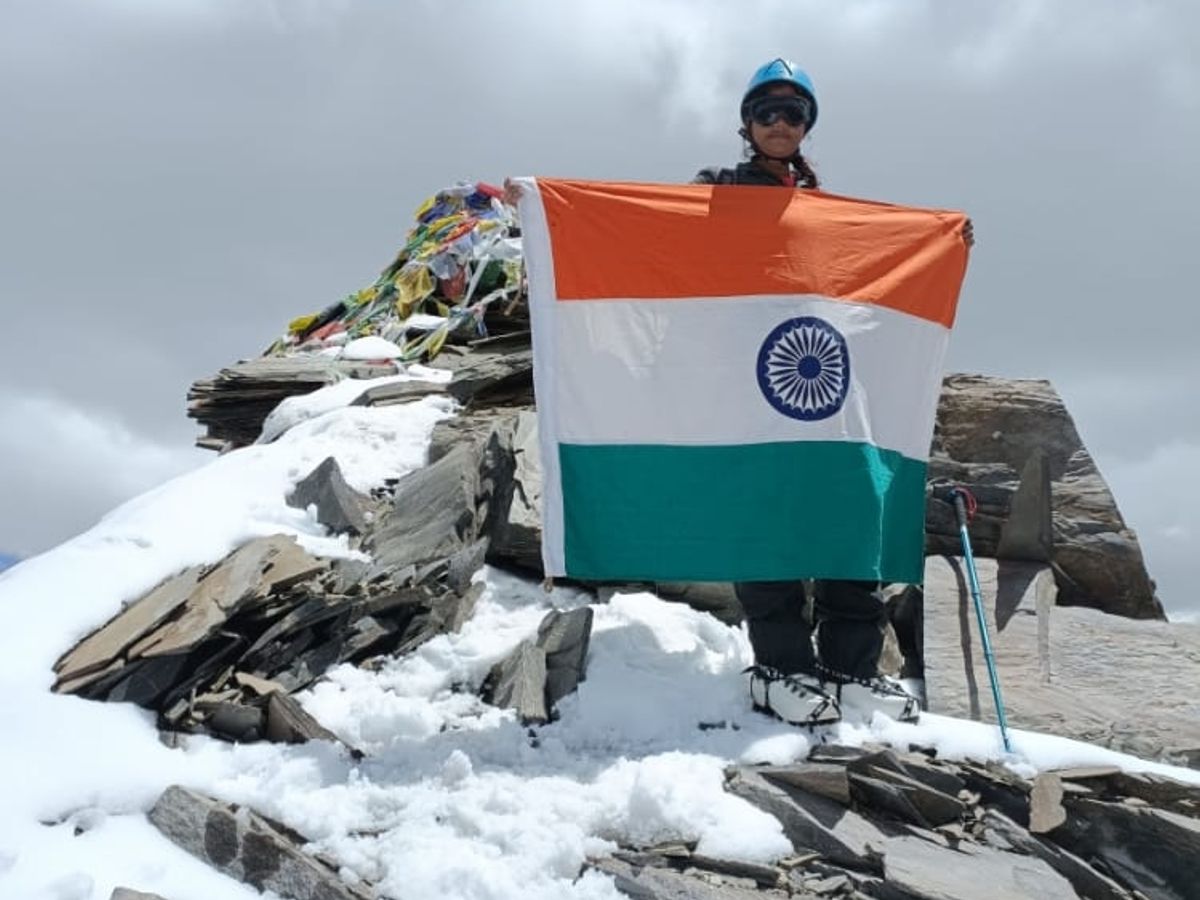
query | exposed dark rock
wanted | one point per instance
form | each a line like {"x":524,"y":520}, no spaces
{"x":1108,"y":844}
{"x":906,"y":798}
{"x":234,"y":721}
{"x":1151,"y":850}
{"x":1086,"y":880}
{"x":349,"y":576}
{"x":564,"y":638}
{"x":823,"y":779}
{"x":513,"y":465}
{"x":839,"y":753}
{"x":657,"y":883}
{"x":1028,"y":532}
{"x":433,"y":514}
{"x":462,"y":565}
{"x":128,"y":894}
{"x":288,"y":723}
{"x":246,"y":577}
{"x":763,"y":876}
{"x":99,"y":650}
{"x":812,"y":822}
{"x":398,"y":392}
{"x":923,"y":869}
{"x":1154,"y":789}
{"x":537,"y":674}
{"x":146,"y":682}
{"x":519,"y":683}
{"x":244,"y":845}
{"x":339,"y":507}
{"x":445,"y":614}
{"x":493,"y":378}
{"x":883,"y":762}
{"x":234,"y":403}
{"x":986,"y":433}
{"x":474,"y":428}
{"x":261,"y":621}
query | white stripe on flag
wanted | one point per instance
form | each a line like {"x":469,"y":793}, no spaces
{"x":683,"y":372}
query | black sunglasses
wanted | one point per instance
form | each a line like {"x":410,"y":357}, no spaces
{"x":796,"y":111}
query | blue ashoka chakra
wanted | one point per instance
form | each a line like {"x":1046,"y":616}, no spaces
{"x":804,"y":368}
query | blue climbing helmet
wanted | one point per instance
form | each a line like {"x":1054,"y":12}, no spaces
{"x":779,"y":71}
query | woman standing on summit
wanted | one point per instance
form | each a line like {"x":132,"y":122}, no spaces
{"x":791,"y":678}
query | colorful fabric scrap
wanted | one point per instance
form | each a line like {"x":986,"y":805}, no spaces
{"x":463,"y":254}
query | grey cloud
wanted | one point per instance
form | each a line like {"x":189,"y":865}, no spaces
{"x":182,"y":179}
{"x":64,"y":468}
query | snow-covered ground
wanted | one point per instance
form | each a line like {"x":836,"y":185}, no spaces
{"x":455,"y":798}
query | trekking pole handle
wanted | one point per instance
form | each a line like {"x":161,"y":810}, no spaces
{"x":960,"y":507}
{"x":964,"y":505}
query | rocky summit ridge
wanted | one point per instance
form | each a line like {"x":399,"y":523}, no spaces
{"x":222,"y":650}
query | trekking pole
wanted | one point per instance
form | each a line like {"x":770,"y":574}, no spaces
{"x":962,"y":502}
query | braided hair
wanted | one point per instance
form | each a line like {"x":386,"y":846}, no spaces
{"x":806,"y":175}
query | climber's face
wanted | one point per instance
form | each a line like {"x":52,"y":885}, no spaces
{"x":778,"y":121}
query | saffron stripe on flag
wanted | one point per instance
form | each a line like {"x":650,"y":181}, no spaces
{"x":751,"y":512}
{"x":685,"y":241}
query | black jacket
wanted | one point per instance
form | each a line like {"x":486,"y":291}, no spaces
{"x":742,"y":173}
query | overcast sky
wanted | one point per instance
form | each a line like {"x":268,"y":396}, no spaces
{"x":180,"y":178}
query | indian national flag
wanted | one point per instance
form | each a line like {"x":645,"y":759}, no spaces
{"x":735,"y":383}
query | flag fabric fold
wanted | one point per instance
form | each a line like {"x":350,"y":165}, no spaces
{"x":735,"y":383}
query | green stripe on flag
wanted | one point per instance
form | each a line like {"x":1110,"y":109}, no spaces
{"x":809,"y":509}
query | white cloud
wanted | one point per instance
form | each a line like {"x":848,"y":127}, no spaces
{"x":64,"y":467}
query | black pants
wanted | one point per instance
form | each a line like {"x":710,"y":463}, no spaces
{"x":848,"y":618}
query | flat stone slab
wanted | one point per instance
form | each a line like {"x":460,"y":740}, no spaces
{"x":930,"y":872}
{"x":250,"y":572}
{"x":812,"y":822}
{"x":244,"y":845}
{"x":660,"y":883}
{"x":1153,"y":850}
{"x":433,"y":513}
{"x":519,"y":683}
{"x":103,"y":646}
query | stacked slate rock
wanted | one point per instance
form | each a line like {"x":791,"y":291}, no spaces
{"x":234,"y":403}
{"x":863,"y":823}
{"x":221,"y":649}
{"x":869,"y":822}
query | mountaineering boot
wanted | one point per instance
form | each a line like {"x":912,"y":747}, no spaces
{"x":861,"y":698}
{"x":796,"y":699}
